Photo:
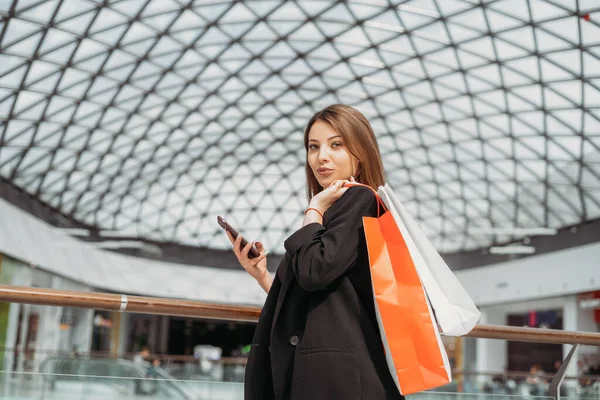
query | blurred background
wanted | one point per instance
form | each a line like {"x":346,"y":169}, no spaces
{"x":127,"y":126}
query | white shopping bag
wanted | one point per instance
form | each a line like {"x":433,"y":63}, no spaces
{"x":455,"y":312}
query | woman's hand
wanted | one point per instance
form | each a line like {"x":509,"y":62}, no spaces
{"x":256,"y":267}
{"x":325,"y":199}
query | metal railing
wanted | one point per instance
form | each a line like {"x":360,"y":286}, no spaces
{"x":195,"y":309}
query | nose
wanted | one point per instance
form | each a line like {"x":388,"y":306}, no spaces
{"x":324,"y":154}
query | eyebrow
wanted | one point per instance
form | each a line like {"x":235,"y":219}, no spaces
{"x":332,"y":137}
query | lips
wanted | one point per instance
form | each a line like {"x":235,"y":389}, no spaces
{"x":324,"y":171}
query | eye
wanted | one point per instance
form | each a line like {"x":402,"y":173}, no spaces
{"x":312,"y":147}
{"x":336,"y":144}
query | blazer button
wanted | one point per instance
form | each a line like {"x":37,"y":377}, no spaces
{"x":294,"y":340}
{"x":269,"y":349}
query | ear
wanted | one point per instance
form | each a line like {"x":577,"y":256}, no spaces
{"x":358,"y":171}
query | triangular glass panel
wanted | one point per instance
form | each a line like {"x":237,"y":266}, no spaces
{"x":523,"y":37}
{"x":495,"y":99}
{"x":489,"y":73}
{"x":460,"y":34}
{"x":508,"y":51}
{"x":263,"y":8}
{"x":211,"y":12}
{"x":477,"y":85}
{"x":515,"y":8}
{"x":551,"y":72}
{"x":549,"y":42}
{"x":93,"y":64}
{"x":6,"y":103}
{"x":517,"y":104}
{"x":412,"y":19}
{"x":470,"y":60}
{"x":444,"y":92}
{"x":339,"y":12}
{"x":258,"y":48}
{"x":261,"y":31}
{"x":77,"y":23}
{"x":160,"y":22}
{"x":514,"y":78}
{"x":572,"y":118}
{"x":569,"y":60}
{"x":448,"y":7}
{"x":399,"y":48}
{"x":238,"y":13}
{"x":526,"y":66}
{"x":283,"y":29}
{"x":137,"y":32}
{"x":18,"y":30}
{"x":427,"y":44}
{"x":589,"y":33}
{"x":482,"y":47}
{"x":111,"y":36}
{"x":40,"y":12}
{"x":566,"y":28}
{"x":360,"y":11}
{"x":19,"y":133}
{"x":279,"y":55}
{"x":570,"y":89}
{"x":188,"y":21}
{"x":26,"y":100}
{"x":106,"y":19}
{"x":592,"y":96}
{"x":140,"y":48}
{"x":61,"y":53}
{"x":543,"y":10}
{"x":532,"y":94}
{"x":355,"y":36}
{"x":55,"y":38}
{"x":166,"y":45}
{"x":474,"y":19}
{"x":39,"y":70}
{"x":501,"y":22}
{"x":24,"y":48}
{"x":128,"y":7}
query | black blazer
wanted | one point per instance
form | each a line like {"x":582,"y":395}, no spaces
{"x":317,"y":336}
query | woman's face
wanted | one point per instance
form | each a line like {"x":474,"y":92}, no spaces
{"x":327,"y":155}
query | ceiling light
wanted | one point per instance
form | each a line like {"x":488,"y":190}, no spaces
{"x":512,"y":250}
{"x":514,"y":231}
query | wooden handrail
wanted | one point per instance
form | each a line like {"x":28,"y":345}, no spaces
{"x":195,"y":309}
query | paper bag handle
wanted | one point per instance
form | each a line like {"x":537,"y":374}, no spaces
{"x":380,"y":202}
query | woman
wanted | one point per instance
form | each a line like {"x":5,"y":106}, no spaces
{"x":317,"y":336}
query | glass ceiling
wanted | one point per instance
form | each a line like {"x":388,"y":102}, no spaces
{"x":149,"y":118}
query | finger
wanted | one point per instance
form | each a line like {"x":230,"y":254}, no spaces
{"x":260,"y":258}
{"x":259,"y":246}
{"x":352,"y":179}
{"x":237,"y":244}
{"x":333,"y":183}
{"x":246,"y":249}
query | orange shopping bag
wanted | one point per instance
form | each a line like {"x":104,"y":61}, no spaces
{"x":414,"y":350}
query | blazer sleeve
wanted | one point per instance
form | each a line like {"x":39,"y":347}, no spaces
{"x":322,"y":254}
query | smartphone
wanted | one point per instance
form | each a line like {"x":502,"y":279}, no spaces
{"x":225,"y":225}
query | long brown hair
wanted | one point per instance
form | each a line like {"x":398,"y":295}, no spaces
{"x":359,"y":139}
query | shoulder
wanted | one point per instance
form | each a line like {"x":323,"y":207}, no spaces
{"x":358,"y":200}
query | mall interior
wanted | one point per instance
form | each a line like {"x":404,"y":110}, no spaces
{"x":128,"y":126}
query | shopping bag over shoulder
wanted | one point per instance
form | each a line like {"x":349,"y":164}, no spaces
{"x":455,"y":312}
{"x":414,"y":351}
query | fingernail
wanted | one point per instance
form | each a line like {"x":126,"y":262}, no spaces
{"x":259,"y":243}
{"x":266,"y":252}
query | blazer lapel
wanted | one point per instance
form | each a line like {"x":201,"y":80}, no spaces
{"x":286,"y":276}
